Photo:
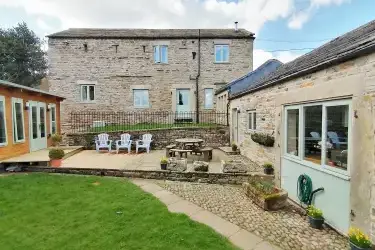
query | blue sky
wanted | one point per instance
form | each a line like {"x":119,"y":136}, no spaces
{"x":300,"y":23}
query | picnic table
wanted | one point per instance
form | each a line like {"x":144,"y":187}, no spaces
{"x":189,"y":143}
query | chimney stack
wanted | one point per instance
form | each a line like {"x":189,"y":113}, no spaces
{"x":236,"y":26}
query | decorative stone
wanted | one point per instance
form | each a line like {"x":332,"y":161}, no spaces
{"x":200,"y":166}
{"x":178,"y":165}
{"x":233,"y":166}
{"x":271,"y":202}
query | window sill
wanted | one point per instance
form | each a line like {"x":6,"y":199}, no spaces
{"x":19,"y":142}
{"x":3,"y":144}
{"x":141,"y":107}
{"x":221,"y":62}
{"x":318,"y":167}
{"x":161,"y":63}
{"x":87,"y":102}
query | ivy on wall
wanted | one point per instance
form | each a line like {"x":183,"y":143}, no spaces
{"x":263,"y":139}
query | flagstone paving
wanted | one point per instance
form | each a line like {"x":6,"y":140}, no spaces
{"x":286,"y":228}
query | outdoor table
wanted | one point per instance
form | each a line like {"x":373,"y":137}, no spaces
{"x":189,"y":141}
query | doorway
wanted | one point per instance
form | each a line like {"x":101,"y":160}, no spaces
{"x":38,"y":130}
{"x":183,"y":104}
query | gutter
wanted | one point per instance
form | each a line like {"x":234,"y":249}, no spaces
{"x":197,"y":77}
{"x":312,"y":69}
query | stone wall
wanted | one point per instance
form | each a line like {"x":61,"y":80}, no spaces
{"x":117,"y":71}
{"x":354,"y":79}
{"x":214,"y":137}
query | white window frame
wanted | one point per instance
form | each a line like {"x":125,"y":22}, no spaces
{"x":157,"y":50}
{"x":212,"y":99}
{"x":148,"y":99}
{"x":221,"y":52}
{"x":52,"y":106}
{"x":250,"y":113}
{"x":345,"y":174}
{"x":14,"y":124}
{"x":87,"y":92}
{"x":2,"y":99}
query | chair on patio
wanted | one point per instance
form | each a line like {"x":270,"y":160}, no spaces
{"x":336,"y":140}
{"x":144,"y":143}
{"x":103,"y":142}
{"x":124,"y":142}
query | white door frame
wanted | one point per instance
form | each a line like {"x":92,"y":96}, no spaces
{"x":38,"y":138}
{"x":234,"y":125}
{"x":185,"y":113}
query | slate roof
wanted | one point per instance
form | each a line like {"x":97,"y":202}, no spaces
{"x":358,"y":42}
{"x":14,"y":85}
{"x":250,"y":78}
{"x":151,"y":33}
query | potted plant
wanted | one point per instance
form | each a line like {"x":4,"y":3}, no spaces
{"x":163,"y":163}
{"x":268,"y":168}
{"x":316,"y":218}
{"x":56,"y":140}
{"x":56,"y":155}
{"x":358,"y":240}
{"x":234,"y":147}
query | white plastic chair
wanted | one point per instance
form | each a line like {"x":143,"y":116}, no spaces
{"x":335,"y":139}
{"x":144,"y":143}
{"x":124,"y":142}
{"x":103,"y":142}
{"x":315,"y":135}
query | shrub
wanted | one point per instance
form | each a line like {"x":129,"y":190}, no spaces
{"x":56,"y":154}
{"x":266,"y":188}
{"x":234,"y":146}
{"x":267,"y":165}
{"x":263,"y":139}
{"x":314,"y":212}
{"x":358,"y":238}
{"x":56,"y":139}
{"x":164,"y":160}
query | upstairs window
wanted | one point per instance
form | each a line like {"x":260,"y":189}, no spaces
{"x":161,"y":54}
{"x":87,"y":93}
{"x":3,"y":132}
{"x":208,"y":98}
{"x":221,"y":53}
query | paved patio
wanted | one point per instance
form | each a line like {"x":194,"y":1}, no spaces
{"x":286,"y":228}
{"x":132,"y":161}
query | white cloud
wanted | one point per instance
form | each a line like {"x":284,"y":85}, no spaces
{"x":260,"y":56}
{"x":298,"y":19}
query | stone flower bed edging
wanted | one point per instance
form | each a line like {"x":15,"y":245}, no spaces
{"x":270,"y":202}
{"x":203,"y":177}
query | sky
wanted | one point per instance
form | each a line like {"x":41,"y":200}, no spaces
{"x":284,"y":29}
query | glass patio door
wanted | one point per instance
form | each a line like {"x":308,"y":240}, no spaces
{"x":38,"y":130}
{"x":183,"y":104}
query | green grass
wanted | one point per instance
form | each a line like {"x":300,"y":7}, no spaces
{"x":41,"y":211}
{"x":142,"y":126}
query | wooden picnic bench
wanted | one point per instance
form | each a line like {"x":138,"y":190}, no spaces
{"x":168,"y":149}
{"x":181,"y":152}
{"x":207,"y":153}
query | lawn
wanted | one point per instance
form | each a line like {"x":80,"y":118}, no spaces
{"x":41,"y":211}
{"x":142,"y":126}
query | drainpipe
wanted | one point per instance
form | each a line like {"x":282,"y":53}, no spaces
{"x":198,"y":75}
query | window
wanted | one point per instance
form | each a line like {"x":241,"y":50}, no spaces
{"x":161,"y":54}
{"x":18,"y":122}
{"x":221,"y":53}
{"x":3,"y":130}
{"x":53,"y":126}
{"x":87,"y":93}
{"x":325,"y":129}
{"x":252,"y":120}
{"x":208,"y":98}
{"x":141,"y":98}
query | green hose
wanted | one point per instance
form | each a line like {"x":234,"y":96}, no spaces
{"x":304,"y":188}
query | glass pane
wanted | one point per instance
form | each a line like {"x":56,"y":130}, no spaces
{"x":218,"y":54}
{"x":337,"y":136}
{"x":19,"y":125}
{"x":144,"y":94}
{"x":313,"y":132}
{"x":292,"y":131}
{"x":2,"y":123}
{"x":84,"y":93}
{"x":156,"y":54}
{"x":250,"y":121}
{"x":53,"y":113}
{"x":34,"y":122}
{"x":92,"y":92}
{"x":164,"y":54}
{"x":255,"y":120}
{"x":225,"y":53}
{"x":42,"y":123}
{"x":208,"y":98}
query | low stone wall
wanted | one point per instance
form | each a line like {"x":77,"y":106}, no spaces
{"x":203,"y":177}
{"x":213,"y":137}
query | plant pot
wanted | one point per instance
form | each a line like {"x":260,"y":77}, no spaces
{"x":316,"y":223}
{"x":234,"y":149}
{"x":268,"y":171}
{"x":354,"y":247}
{"x":55,"y":163}
{"x":163,"y":166}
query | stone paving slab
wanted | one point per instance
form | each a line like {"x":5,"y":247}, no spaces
{"x":239,"y":237}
